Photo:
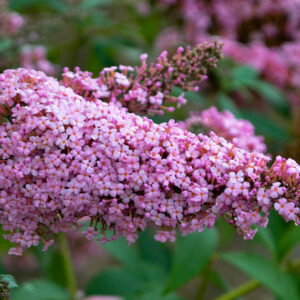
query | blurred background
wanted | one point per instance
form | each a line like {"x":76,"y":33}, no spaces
{"x":257,"y":80}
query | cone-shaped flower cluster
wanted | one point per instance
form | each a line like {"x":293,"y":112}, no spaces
{"x":237,"y":131}
{"x":64,"y":158}
{"x":147,"y":89}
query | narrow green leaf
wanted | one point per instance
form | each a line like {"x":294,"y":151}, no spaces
{"x":190,"y":257}
{"x":265,"y":236}
{"x":288,"y":241}
{"x":243,"y":72}
{"x":269,"y":274}
{"x":226,"y":103}
{"x":270,"y":93}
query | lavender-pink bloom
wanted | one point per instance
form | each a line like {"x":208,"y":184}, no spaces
{"x":237,"y":131}
{"x":147,"y":89}
{"x":129,"y":175}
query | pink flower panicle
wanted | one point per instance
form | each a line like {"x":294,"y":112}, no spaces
{"x":237,"y":131}
{"x":147,"y":88}
{"x":64,"y":158}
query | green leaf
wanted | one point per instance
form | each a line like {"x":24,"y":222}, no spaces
{"x":244,"y":72}
{"x":277,"y":226}
{"x":195,"y":98}
{"x":114,"y":281}
{"x":127,"y":281}
{"x":126,"y":254}
{"x":10,"y":280}
{"x":266,"y":126}
{"x":148,"y":272}
{"x":55,"y":5}
{"x":39,"y":289}
{"x":104,"y":51}
{"x":153,"y":251}
{"x":271,"y":94}
{"x":22,"y":4}
{"x":217,"y":280}
{"x":55,"y":262}
{"x":151,"y":291}
{"x":268,"y":273}
{"x":43,"y":257}
{"x":226,"y":232}
{"x":190,"y":257}
{"x":288,"y":241}
{"x":265,"y":236}
{"x":227,"y":103}
{"x":5,"y":244}
{"x":87,"y":4}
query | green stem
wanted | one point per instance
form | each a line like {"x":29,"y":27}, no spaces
{"x":67,"y":264}
{"x":204,"y":281}
{"x":254,"y":284}
{"x":240,"y":290}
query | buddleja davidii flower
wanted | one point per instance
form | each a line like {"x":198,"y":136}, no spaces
{"x":237,"y":131}
{"x":127,"y":176}
{"x":147,"y":89}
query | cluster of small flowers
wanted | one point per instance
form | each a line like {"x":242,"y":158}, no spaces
{"x":64,"y":158}
{"x":147,"y":89}
{"x":240,"y":133}
{"x":35,"y":57}
{"x":264,"y":34}
{"x":10,"y":22}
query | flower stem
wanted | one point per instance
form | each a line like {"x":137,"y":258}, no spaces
{"x":67,"y":264}
{"x":240,"y":290}
{"x":254,"y":284}
{"x":204,"y":281}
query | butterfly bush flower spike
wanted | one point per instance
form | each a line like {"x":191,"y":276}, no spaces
{"x":147,"y":89}
{"x":64,"y":158}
